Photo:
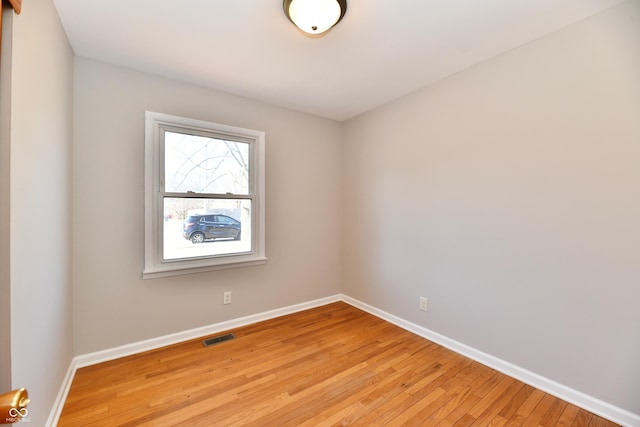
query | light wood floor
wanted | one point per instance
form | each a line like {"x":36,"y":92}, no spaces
{"x":332,"y":365}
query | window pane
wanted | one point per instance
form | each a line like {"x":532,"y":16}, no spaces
{"x":195,"y":228}
{"x":205,"y":165}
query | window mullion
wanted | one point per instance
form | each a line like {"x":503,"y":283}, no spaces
{"x":207,"y":196}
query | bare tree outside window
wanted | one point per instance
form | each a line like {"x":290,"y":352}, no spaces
{"x":205,"y":165}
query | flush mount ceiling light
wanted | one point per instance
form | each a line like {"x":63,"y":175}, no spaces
{"x":315,"y":16}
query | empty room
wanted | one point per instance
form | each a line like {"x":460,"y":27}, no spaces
{"x":320,"y":212}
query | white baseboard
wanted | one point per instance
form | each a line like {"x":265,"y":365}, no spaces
{"x":599,"y":407}
{"x":582,"y":400}
{"x":153,"y":343}
{"x":89,"y":359}
{"x":58,"y":404}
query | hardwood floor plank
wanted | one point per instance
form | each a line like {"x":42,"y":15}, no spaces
{"x":582,"y":419}
{"x":497,"y":421}
{"x":333,"y":365}
{"x":419,"y":410}
{"x":553,"y":414}
{"x":498,"y":402}
{"x":465,"y":421}
{"x":568,"y":415}
{"x":516,"y":402}
{"x":528,"y":406}
{"x":491,"y":397}
{"x":538,"y":412}
{"x":453,"y":400}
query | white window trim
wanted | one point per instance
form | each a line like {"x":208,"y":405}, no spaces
{"x":154,"y":266}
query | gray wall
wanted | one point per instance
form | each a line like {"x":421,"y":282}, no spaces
{"x":5,"y":211}
{"x":38,"y":188}
{"x":113,"y":305}
{"x":508,"y":195}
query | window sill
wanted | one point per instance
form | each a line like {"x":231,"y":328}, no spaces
{"x":173,"y":270}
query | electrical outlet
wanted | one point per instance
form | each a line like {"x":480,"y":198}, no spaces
{"x":424,"y":304}
{"x":227,"y":298}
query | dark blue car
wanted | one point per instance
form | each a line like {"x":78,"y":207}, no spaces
{"x":199,"y":228}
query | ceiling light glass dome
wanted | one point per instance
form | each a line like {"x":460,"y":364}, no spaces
{"x":315,"y":16}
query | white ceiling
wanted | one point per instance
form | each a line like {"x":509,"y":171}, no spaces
{"x":381,"y":50}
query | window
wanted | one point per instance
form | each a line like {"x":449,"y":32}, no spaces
{"x":204,"y":196}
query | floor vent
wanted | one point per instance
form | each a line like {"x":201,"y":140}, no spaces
{"x":216,"y":340}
